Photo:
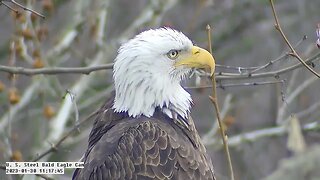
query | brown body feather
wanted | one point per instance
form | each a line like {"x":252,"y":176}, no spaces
{"x":121,"y":147}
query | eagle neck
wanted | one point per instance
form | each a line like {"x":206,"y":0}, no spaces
{"x":142,"y":97}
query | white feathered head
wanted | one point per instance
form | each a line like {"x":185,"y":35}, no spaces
{"x":148,"y":70}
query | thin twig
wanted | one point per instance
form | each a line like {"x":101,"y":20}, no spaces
{"x":54,"y":70}
{"x":54,"y":147}
{"x":279,"y":58}
{"x":293,"y":95}
{"x":238,"y":68}
{"x":26,"y":9}
{"x":312,"y":110}
{"x":9,"y":7}
{"x":223,"y":86}
{"x":293,"y":51}
{"x":258,"y":68}
{"x":292,"y":82}
{"x":88,"y":70}
{"x":227,"y":105}
{"x":214,"y":100}
{"x":229,"y":76}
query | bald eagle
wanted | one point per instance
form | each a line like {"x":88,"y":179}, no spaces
{"x":145,"y":131}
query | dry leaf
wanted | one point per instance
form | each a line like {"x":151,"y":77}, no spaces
{"x":38,"y":63}
{"x":48,"y":5}
{"x":27,"y":34}
{"x":14,"y":96}
{"x":36,"y":53}
{"x":228,"y":121}
{"x":2,"y":86}
{"x":48,"y":111}
{"x":296,"y":141}
{"x":16,"y":156}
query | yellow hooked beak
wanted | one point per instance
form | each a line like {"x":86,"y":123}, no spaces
{"x":199,"y":58}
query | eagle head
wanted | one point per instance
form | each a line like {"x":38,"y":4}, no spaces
{"x":148,"y":70}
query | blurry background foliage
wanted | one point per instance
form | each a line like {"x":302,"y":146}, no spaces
{"x":272,"y":128}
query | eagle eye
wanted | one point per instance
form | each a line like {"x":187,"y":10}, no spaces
{"x":173,"y":54}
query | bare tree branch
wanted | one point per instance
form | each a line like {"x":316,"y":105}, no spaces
{"x":227,"y":105}
{"x":229,"y":76}
{"x":236,"y":140}
{"x":258,"y":68}
{"x":88,"y":70}
{"x":9,"y":7}
{"x":223,"y":86}
{"x":54,"y":147}
{"x":293,"y":51}
{"x":279,"y":58}
{"x":54,"y":70}
{"x":293,"y":95}
{"x":214,"y":100}
{"x":21,"y":6}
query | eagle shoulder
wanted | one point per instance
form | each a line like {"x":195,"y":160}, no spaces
{"x":145,"y":148}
